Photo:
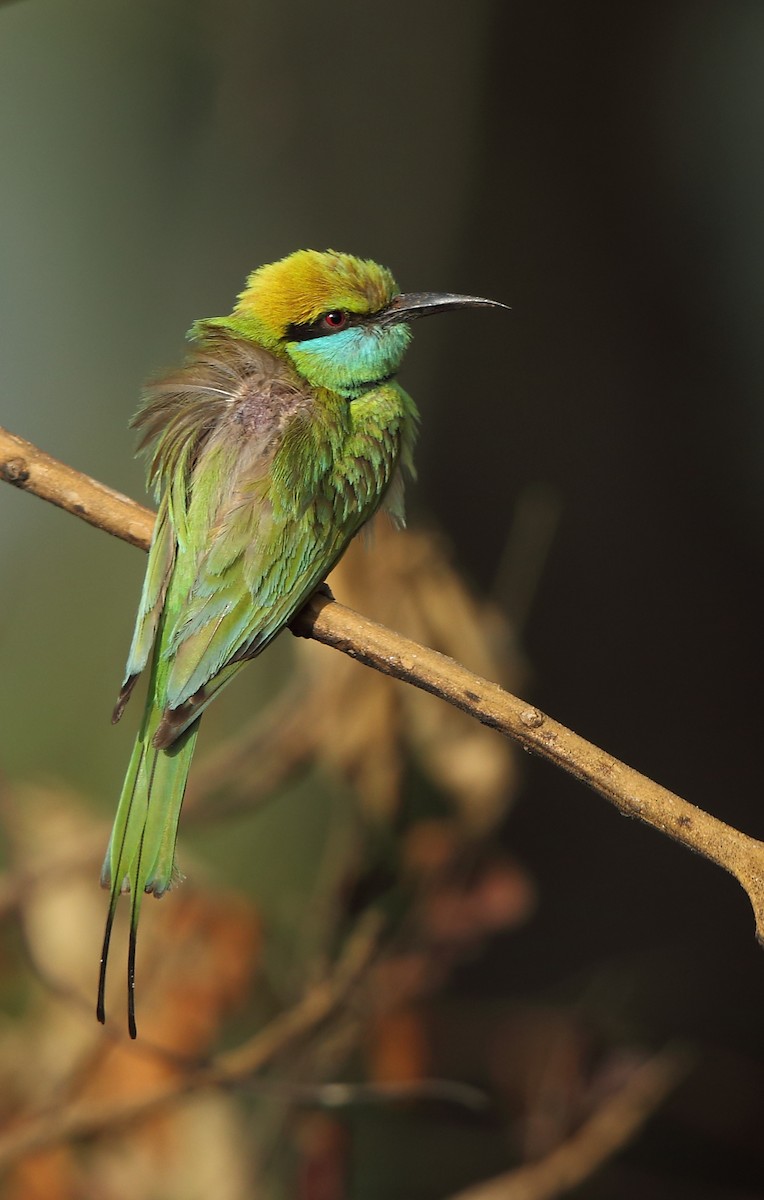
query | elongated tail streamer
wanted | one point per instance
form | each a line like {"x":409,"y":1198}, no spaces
{"x":141,"y":854}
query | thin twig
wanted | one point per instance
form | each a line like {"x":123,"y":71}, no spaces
{"x":87,"y":1119}
{"x":326,"y":621}
{"x":606,"y":1132}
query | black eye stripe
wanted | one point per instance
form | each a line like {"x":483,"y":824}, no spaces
{"x":317,"y":328}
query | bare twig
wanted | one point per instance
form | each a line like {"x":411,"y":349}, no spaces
{"x":85,"y":1120}
{"x":326,"y":621}
{"x":30,"y":469}
{"x":606,"y":1132}
{"x":634,"y":794}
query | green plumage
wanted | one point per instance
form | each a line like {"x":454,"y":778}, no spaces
{"x":282,"y":434}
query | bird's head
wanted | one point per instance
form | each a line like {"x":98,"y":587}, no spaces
{"x":339,"y":319}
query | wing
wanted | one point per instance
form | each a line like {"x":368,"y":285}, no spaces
{"x":158,"y":572}
{"x":288,"y":519}
{"x":225,"y":382}
{"x":264,"y":481}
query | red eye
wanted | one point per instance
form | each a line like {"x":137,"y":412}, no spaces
{"x":334,"y":320}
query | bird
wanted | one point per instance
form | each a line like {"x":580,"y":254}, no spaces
{"x":283,"y":432}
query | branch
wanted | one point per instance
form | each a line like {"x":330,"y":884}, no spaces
{"x":236,"y":1066}
{"x":606,"y":1132}
{"x":30,"y":469}
{"x":326,"y":621}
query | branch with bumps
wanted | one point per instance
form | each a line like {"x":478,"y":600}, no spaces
{"x":326,"y":621}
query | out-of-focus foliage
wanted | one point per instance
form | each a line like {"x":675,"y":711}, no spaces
{"x":411,"y":842}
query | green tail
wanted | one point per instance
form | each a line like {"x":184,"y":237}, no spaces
{"x":141,"y":853}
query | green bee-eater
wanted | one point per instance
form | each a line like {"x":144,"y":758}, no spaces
{"x":281,"y":435}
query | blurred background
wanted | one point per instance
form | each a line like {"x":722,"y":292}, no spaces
{"x":586,"y":528}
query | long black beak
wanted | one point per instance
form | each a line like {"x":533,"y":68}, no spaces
{"x":409,"y":306}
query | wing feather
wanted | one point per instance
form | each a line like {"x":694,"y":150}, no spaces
{"x":264,"y":482}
